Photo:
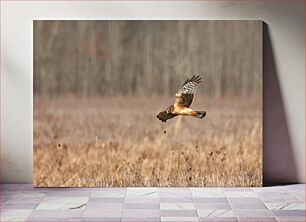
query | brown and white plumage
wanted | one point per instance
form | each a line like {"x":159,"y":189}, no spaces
{"x":184,"y":98}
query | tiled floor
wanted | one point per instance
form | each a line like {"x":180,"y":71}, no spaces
{"x":22,"y":202}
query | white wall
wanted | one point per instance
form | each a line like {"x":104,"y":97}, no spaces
{"x":285,"y":21}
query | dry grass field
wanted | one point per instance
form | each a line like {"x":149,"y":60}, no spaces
{"x":119,"y":142}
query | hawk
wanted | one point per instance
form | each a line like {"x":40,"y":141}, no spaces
{"x":183,"y":101}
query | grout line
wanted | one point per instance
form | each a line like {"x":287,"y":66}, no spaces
{"x":123,"y":207}
{"x":197,"y":210}
{"x":37,"y":204}
{"x":14,"y":192}
{"x":92,"y":189}
{"x":230,"y":205}
{"x":265,"y":204}
{"x":29,"y":215}
{"x":297,"y":196}
{"x":158,"y":194}
{"x":5,"y":202}
{"x":21,"y":187}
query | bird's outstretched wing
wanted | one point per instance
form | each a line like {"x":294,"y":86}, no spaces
{"x":164,"y":116}
{"x":186,"y":93}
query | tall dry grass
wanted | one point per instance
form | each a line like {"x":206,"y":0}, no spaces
{"x":120,"y":142}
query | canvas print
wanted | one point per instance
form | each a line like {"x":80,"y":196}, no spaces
{"x":147,"y":103}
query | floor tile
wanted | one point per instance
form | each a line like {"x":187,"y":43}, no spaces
{"x":27,"y":187}
{"x":24,"y":200}
{"x":140,"y":219}
{"x":178,"y":213}
{"x":68,"y":193}
{"x":216,"y":213}
{"x":141,"y":206}
{"x":286,"y":206}
{"x":142,"y":213}
{"x":240,"y":194}
{"x":177,"y":206}
{"x":62,"y":203}
{"x":299,"y":194}
{"x":3,"y":200}
{"x":280,"y":200}
{"x":289,"y":213}
{"x":110,"y":194}
{"x":296,"y":187}
{"x":101,"y":219}
{"x":291,"y":219}
{"x":283,"y":195}
{"x":178,"y":219}
{"x":175,"y":192}
{"x":210,"y":200}
{"x":206,"y":192}
{"x":218,"y":219}
{"x":135,"y":192}
{"x":10,"y":186}
{"x":91,"y":205}
{"x":176,"y":200}
{"x":8,"y":192}
{"x":27,"y":194}
{"x":176,"y":195}
{"x":274,"y":197}
{"x":225,"y":205}
{"x":256,"y":219}
{"x":253,"y":213}
{"x":103,"y":213}
{"x":20,"y":206}
{"x":278,"y":189}
{"x":176,"y":189}
{"x":56,"y":213}
{"x":15,"y":214}
{"x":245,"y":200}
{"x":248,"y":206}
{"x":237,"y":189}
{"x":142,"y":200}
{"x":105,"y":200}
{"x":55,"y":219}
{"x":116,"y":189}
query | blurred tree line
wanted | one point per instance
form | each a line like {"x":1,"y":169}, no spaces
{"x":97,"y":58}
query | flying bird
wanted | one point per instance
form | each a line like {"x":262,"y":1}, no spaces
{"x":184,"y":98}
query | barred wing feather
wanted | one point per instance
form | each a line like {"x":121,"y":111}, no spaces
{"x":186,"y":93}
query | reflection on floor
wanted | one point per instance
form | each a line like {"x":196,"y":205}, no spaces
{"x":22,"y":202}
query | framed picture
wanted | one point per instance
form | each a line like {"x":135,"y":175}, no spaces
{"x":147,"y":103}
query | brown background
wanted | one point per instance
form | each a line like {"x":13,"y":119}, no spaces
{"x":147,"y":57}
